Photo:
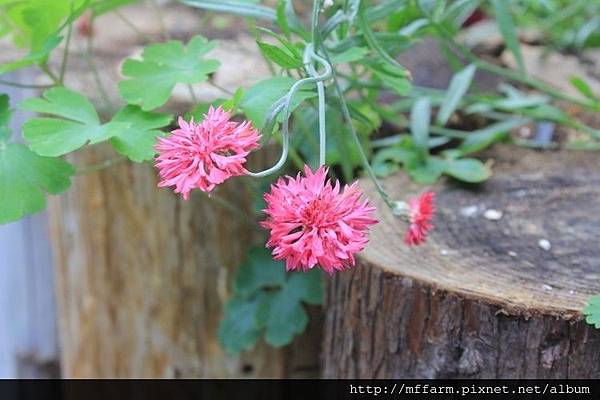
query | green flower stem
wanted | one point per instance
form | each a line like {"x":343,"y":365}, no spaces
{"x":363,"y":23}
{"x":192,"y":94}
{"x":89,"y":57}
{"x":161,"y":20}
{"x":44,"y":67}
{"x":130,"y":25}
{"x":285,"y":104}
{"x":322,"y":122}
{"x":24,"y":85}
{"x":63,"y":66}
{"x":363,"y":156}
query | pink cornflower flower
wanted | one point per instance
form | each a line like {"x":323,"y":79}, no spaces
{"x":420,"y":212}
{"x":206,"y":154}
{"x":313,"y":222}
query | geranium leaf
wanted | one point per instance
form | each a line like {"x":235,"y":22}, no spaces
{"x":286,"y":318}
{"x":239,"y":328}
{"x":260,"y":271}
{"x":268,"y":299}
{"x":152,"y":79}
{"x":137,"y":142}
{"x":78,"y":123}
{"x":25,"y":177}
{"x":592,"y":311}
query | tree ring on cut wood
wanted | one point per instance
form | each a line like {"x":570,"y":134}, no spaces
{"x":497,"y":289}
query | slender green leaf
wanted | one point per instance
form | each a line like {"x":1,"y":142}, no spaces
{"x":242,"y":8}
{"x":282,"y":20}
{"x":468,"y":170}
{"x":350,"y":55}
{"x":483,"y":138}
{"x":508,"y":29}
{"x":279,"y":56}
{"x":458,"y":87}
{"x":583,"y":87}
{"x":420,"y":118}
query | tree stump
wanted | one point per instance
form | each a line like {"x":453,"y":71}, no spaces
{"x":143,"y":276}
{"x":484,"y":297}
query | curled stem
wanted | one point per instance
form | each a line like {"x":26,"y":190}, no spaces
{"x":285,"y":104}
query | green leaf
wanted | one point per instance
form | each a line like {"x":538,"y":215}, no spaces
{"x":268,"y":299}
{"x":259,"y":99}
{"x":79,"y":124}
{"x":386,"y":161}
{"x":458,"y":87}
{"x":592,"y":311}
{"x":282,"y":18}
{"x":152,"y":79}
{"x":288,"y":21}
{"x":239,"y":330}
{"x":420,"y":118}
{"x":285,"y":318}
{"x":5,"y":117}
{"x":583,"y":87}
{"x":137,"y":142}
{"x":289,"y":46}
{"x":33,"y":56}
{"x":35,"y":22}
{"x":234,"y":102}
{"x":508,"y":30}
{"x":25,"y":177}
{"x":306,"y":286}
{"x":371,"y":39}
{"x":468,"y":170}
{"x":426,"y":172}
{"x":350,"y":55}
{"x":242,"y":8}
{"x":279,"y":56}
{"x":260,"y":271}
{"x":483,"y":138}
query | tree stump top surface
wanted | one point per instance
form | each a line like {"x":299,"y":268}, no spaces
{"x":543,"y":196}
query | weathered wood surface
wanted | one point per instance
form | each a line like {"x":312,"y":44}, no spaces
{"x":142,"y":276}
{"x":481,"y":298}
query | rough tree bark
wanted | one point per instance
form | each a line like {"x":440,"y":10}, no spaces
{"x":483,"y":298}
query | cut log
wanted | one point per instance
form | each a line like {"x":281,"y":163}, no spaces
{"x":484,"y":297}
{"x":143,"y":276}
